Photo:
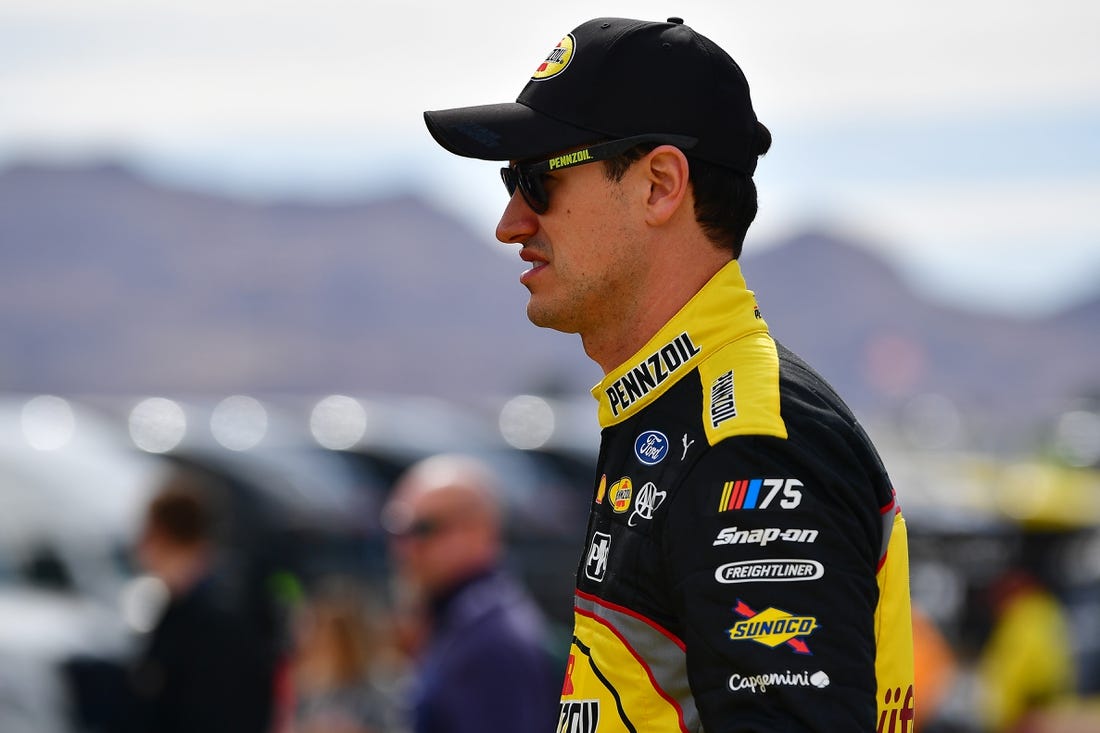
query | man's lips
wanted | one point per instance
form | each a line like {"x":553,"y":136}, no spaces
{"x":536,"y":261}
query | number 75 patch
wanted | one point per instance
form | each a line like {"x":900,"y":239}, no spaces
{"x":761,"y":493}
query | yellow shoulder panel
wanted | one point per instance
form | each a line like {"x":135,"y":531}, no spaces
{"x":741,"y":389}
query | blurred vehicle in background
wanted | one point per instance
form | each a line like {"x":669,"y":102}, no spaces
{"x":976,"y":526}
{"x":304,"y":481}
{"x":71,"y":490}
{"x":74,"y":481}
{"x":546,"y":485}
{"x":293,"y":512}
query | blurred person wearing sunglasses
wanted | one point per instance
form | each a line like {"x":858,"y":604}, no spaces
{"x":484,"y":663}
{"x":746,"y":563}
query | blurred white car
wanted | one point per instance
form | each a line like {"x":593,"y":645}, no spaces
{"x":71,"y":493}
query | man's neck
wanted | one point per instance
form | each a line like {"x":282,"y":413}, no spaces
{"x":620,"y":339}
{"x":182,"y":572}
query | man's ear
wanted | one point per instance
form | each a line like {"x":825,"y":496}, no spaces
{"x":668,"y":174}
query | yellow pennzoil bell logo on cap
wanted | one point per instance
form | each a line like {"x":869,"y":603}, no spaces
{"x":556,"y":61}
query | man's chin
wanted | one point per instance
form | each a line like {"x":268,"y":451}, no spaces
{"x":547,"y":318}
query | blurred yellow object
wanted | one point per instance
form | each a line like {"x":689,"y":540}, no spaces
{"x":1027,"y":665}
{"x":1046,"y":496}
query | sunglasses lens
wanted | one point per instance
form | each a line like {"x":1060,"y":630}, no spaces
{"x":533,"y":192}
{"x":422,"y":529}
{"x":509,"y":177}
{"x":529,"y":185}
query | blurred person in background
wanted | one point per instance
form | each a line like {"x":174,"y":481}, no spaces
{"x":1026,"y":666}
{"x":747,"y":562}
{"x":344,"y":670}
{"x":204,"y":667}
{"x":483,"y":665}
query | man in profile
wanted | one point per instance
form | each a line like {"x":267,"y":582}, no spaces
{"x":746,"y":564}
{"x":483,"y":665}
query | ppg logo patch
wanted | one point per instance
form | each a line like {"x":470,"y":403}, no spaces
{"x":595,"y":564}
{"x":651,"y":447}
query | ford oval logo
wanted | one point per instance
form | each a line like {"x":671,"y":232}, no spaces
{"x":651,"y":447}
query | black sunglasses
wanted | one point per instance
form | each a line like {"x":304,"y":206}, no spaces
{"x":429,"y":526}
{"x":527,"y":177}
{"x":421,"y":529}
{"x":424,"y":528}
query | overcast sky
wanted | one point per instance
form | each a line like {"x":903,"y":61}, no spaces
{"x":962,"y":138}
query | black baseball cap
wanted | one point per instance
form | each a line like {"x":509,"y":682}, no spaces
{"x":613,"y":78}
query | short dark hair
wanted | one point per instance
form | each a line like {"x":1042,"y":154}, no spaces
{"x":182,"y":512}
{"x":725,"y":199}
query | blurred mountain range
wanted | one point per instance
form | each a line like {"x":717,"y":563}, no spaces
{"x":114,"y":284}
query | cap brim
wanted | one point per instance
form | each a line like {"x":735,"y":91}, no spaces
{"x":508,"y":131}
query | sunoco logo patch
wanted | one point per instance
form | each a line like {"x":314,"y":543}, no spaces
{"x":772,"y":627}
{"x":556,"y":61}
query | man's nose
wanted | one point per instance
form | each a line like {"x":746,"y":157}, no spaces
{"x":518,"y":222}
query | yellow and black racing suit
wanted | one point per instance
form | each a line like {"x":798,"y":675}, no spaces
{"x":746,"y":566}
